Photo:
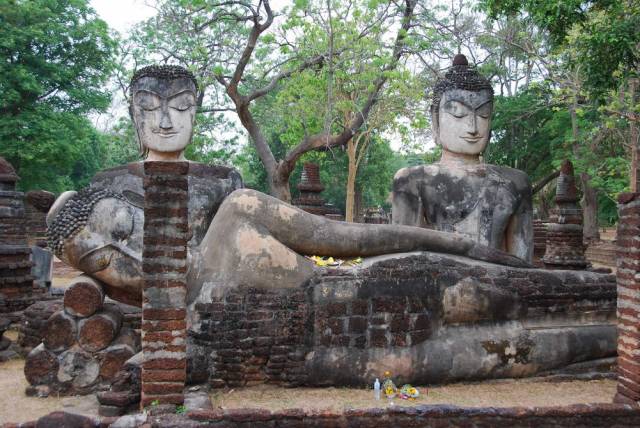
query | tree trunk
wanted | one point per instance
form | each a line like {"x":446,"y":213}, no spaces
{"x":279,"y":188}
{"x":634,"y":134}
{"x":357,"y":206}
{"x":590,"y":208}
{"x":351,"y":182}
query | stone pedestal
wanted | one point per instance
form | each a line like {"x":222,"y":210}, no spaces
{"x":427,"y":317}
{"x":310,"y":199}
{"x":628,"y":279}
{"x":166,"y":233}
{"x":16,"y":283}
{"x":565,"y":247}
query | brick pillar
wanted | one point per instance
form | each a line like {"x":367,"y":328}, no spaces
{"x":164,"y":298}
{"x":628,"y":278}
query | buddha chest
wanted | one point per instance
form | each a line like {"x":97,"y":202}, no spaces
{"x":477,"y":202}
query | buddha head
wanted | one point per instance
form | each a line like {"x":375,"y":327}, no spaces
{"x":163,"y":110}
{"x":461,"y":110}
{"x":100,"y":233}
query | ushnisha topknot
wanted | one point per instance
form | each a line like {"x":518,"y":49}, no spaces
{"x":73,"y":216}
{"x":166,"y":72}
{"x":460,"y":76}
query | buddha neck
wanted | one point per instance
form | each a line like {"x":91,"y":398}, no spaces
{"x":165,"y":156}
{"x":459,"y":159}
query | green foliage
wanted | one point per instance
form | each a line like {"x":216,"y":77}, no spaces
{"x":532,"y":132}
{"x":604,"y":34}
{"x":56,"y":56}
{"x":374,"y":179}
{"x":525,"y":131}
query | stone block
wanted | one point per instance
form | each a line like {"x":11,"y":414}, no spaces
{"x":378,"y":337}
{"x":357,"y":324}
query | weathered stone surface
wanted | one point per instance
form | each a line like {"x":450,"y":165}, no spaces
{"x":165,"y":287}
{"x":488,"y":203}
{"x":98,"y":331}
{"x":428,"y":317}
{"x":41,"y":366}
{"x":628,"y":280}
{"x":310,"y":188}
{"x":66,"y":420}
{"x":78,"y":369}
{"x":436,"y":416}
{"x":60,"y":332}
{"x":33,"y":323}
{"x":83,"y":297}
{"x":112,"y":359}
{"x":17,"y":290}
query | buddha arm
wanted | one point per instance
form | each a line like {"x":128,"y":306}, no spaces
{"x":519,"y":234}
{"x":407,"y":206}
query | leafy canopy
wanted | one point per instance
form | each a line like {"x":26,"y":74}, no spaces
{"x":56,"y":56}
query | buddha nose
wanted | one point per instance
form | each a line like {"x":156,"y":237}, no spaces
{"x":165,"y":120}
{"x":473,"y":130}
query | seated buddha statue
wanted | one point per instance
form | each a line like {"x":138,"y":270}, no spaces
{"x":461,"y":194}
{"x":253,"y":239}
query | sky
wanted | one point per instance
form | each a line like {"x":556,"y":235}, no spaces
{"x":121,"y":15}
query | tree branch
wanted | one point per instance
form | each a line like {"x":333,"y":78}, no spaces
{"x":540,"y":185}
{"x":318,"y":60}
{"x":319,"y":140}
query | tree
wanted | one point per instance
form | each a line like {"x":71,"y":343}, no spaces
{"x":278,"y":171}
{"x":56,"y":56}
{"x":236,"y":43}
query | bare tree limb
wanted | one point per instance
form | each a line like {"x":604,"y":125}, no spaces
{"x":540,"y":185}
{"x":318,"y":140}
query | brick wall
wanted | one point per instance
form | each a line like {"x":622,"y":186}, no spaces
{"x":164,"y":297}
{"x":377,"y":322}
{"x":252,"y":337}
{"x":440,"y":416}
{"x":628,"y":278}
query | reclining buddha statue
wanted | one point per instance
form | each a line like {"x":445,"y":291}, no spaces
{"x":433,"y":305}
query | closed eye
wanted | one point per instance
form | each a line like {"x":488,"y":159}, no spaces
{"x":456,"y":109}
{"x":182,"y":107}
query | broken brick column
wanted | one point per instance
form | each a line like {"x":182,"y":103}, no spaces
{"x":164,"y":263}
{"x":628,"y":279}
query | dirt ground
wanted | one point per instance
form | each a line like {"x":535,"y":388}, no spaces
{"x":494,"y":394}
{"x":15,"y":406}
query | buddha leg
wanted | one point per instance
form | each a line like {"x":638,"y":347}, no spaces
{"x":309,"y":234}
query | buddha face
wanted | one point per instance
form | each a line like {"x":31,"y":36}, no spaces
{"x":463,"y":122}
{"x":109,"y":246}
{"x":163,"y":112}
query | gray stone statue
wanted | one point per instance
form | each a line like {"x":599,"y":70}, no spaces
{"x":431,"y":317}
{"x":253,"y":239}
{"x":488,"y":203}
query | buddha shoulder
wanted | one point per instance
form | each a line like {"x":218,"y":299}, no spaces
{"x":518,"y":178}
{"x":418,"y":172}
